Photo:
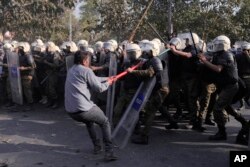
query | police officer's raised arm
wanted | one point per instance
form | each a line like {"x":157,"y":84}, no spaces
{"x":216,"y":68}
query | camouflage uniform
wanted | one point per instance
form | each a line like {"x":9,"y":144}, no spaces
{"x":27,"y":76}
{"x":52,"y":62}
{"x":153,"y":68}
{"x":39,"y":74}
{"x":207,"y":89}
{"x":130,"y":85}
{"x":227,"y":87}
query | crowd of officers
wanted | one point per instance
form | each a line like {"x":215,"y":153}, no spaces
{"x":206,"y":81}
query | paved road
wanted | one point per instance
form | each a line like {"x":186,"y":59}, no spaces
{"x":49,"y":138}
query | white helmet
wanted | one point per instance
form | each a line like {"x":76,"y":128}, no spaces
{"x":157,"y":40}
{"x":57,"y":49}
{"x":210,"y":47}
{"x":142,"y":42}
{"x":38,"y":45}
{"x":39,"y":48}
{"x":114,"y":43}
{"x":91,"y":50}
{"x":125,"y":42}
{"x":184,"y":36}
{"x":187,"y":36}
{"x":69,"y":44}
{"x":246,"y":46}
{"x":108,"y":46}
{"x":8,"y":46}
{"x":51,"y":46}
{"x":221,"y":43}
{"x":151,"y":46}
{"x":202,"y":46}
{"x":98,"y":46}
{"x":176,"y":42}
{"x":157,"y":47}
{"x":37,"y":42}
{"x":83,"y":43}
{"x":14,"y":44}
{"x":72,"y":45}
{"x":25,"y":46}
{"x":63,"y":46}
{"x":131,"y":47}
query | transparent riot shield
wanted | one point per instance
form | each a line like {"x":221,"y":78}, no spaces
{"x":129,"y":119}
{"x":111,"y":90}
{"x":15,"y":77}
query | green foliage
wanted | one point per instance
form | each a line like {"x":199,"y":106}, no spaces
{"x":208,"y":18}
{"x":31,"y":18}
{"x":49,"y":19}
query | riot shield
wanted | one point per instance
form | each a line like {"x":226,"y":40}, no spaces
{"x":129,"y":119}
{"x":111,"y":89}
{"x":69,"y":62}
{"x":15,"y":77}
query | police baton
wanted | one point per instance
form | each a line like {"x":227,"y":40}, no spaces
{"x":196,"y":51}
{"x":156,"y":32}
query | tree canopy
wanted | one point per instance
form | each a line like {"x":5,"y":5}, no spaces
{"x":103,"y":19}
{"x":33,"y":17}
{"x":208,"y":18}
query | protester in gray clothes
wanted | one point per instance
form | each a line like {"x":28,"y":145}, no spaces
{"x":80,"y":81}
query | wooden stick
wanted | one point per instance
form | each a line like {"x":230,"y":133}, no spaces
{"x":140,"y":21}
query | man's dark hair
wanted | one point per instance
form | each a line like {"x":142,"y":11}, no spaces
{"x":80,"y":56}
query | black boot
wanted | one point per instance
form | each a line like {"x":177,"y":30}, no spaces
{"x":172,"y":125}
{"x":209,"y":122}
{"x":197,"y":125}
{"x":242,"y":120}
{"x":220,"y":135}
{"x":243,"y":137}
{"x":178,"y":114}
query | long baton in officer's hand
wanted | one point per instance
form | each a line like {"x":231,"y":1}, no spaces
{"x":156,"y":32}
{"x":196,"y":51}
